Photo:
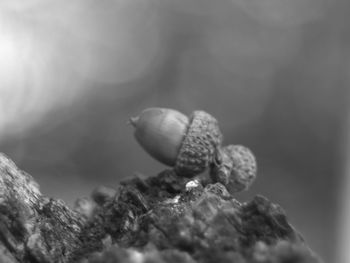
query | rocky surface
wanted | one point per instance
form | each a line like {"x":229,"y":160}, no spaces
{"x":148,"y":219}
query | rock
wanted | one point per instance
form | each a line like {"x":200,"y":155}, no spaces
{"x":148,"y":219}
{"x":33,"y":228}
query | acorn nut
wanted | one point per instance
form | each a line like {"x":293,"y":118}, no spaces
{"x":189,"y":144}
{"x":237,"y":168}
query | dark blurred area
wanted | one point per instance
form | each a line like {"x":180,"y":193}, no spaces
{"x":274,"y":72}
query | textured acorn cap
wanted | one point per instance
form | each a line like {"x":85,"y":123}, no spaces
{"x":237,"y":170}
{"x":199,"y":146}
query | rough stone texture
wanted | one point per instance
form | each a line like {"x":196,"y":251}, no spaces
{"x":148,"y":219}
{"x":33,"y":228}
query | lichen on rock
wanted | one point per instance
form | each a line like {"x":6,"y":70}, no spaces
{"x":148,"y":219}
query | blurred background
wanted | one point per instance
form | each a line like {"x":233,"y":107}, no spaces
{"x":274,"y":72}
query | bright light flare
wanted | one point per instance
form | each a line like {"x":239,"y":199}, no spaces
{"x":52,"y":52}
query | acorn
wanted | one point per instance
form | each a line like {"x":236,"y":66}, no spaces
{"x":236,"y":168}
{"x":188,"y":144}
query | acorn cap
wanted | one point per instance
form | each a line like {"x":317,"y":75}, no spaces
{"x":199,"y":146}
{"x":237,"y":170}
